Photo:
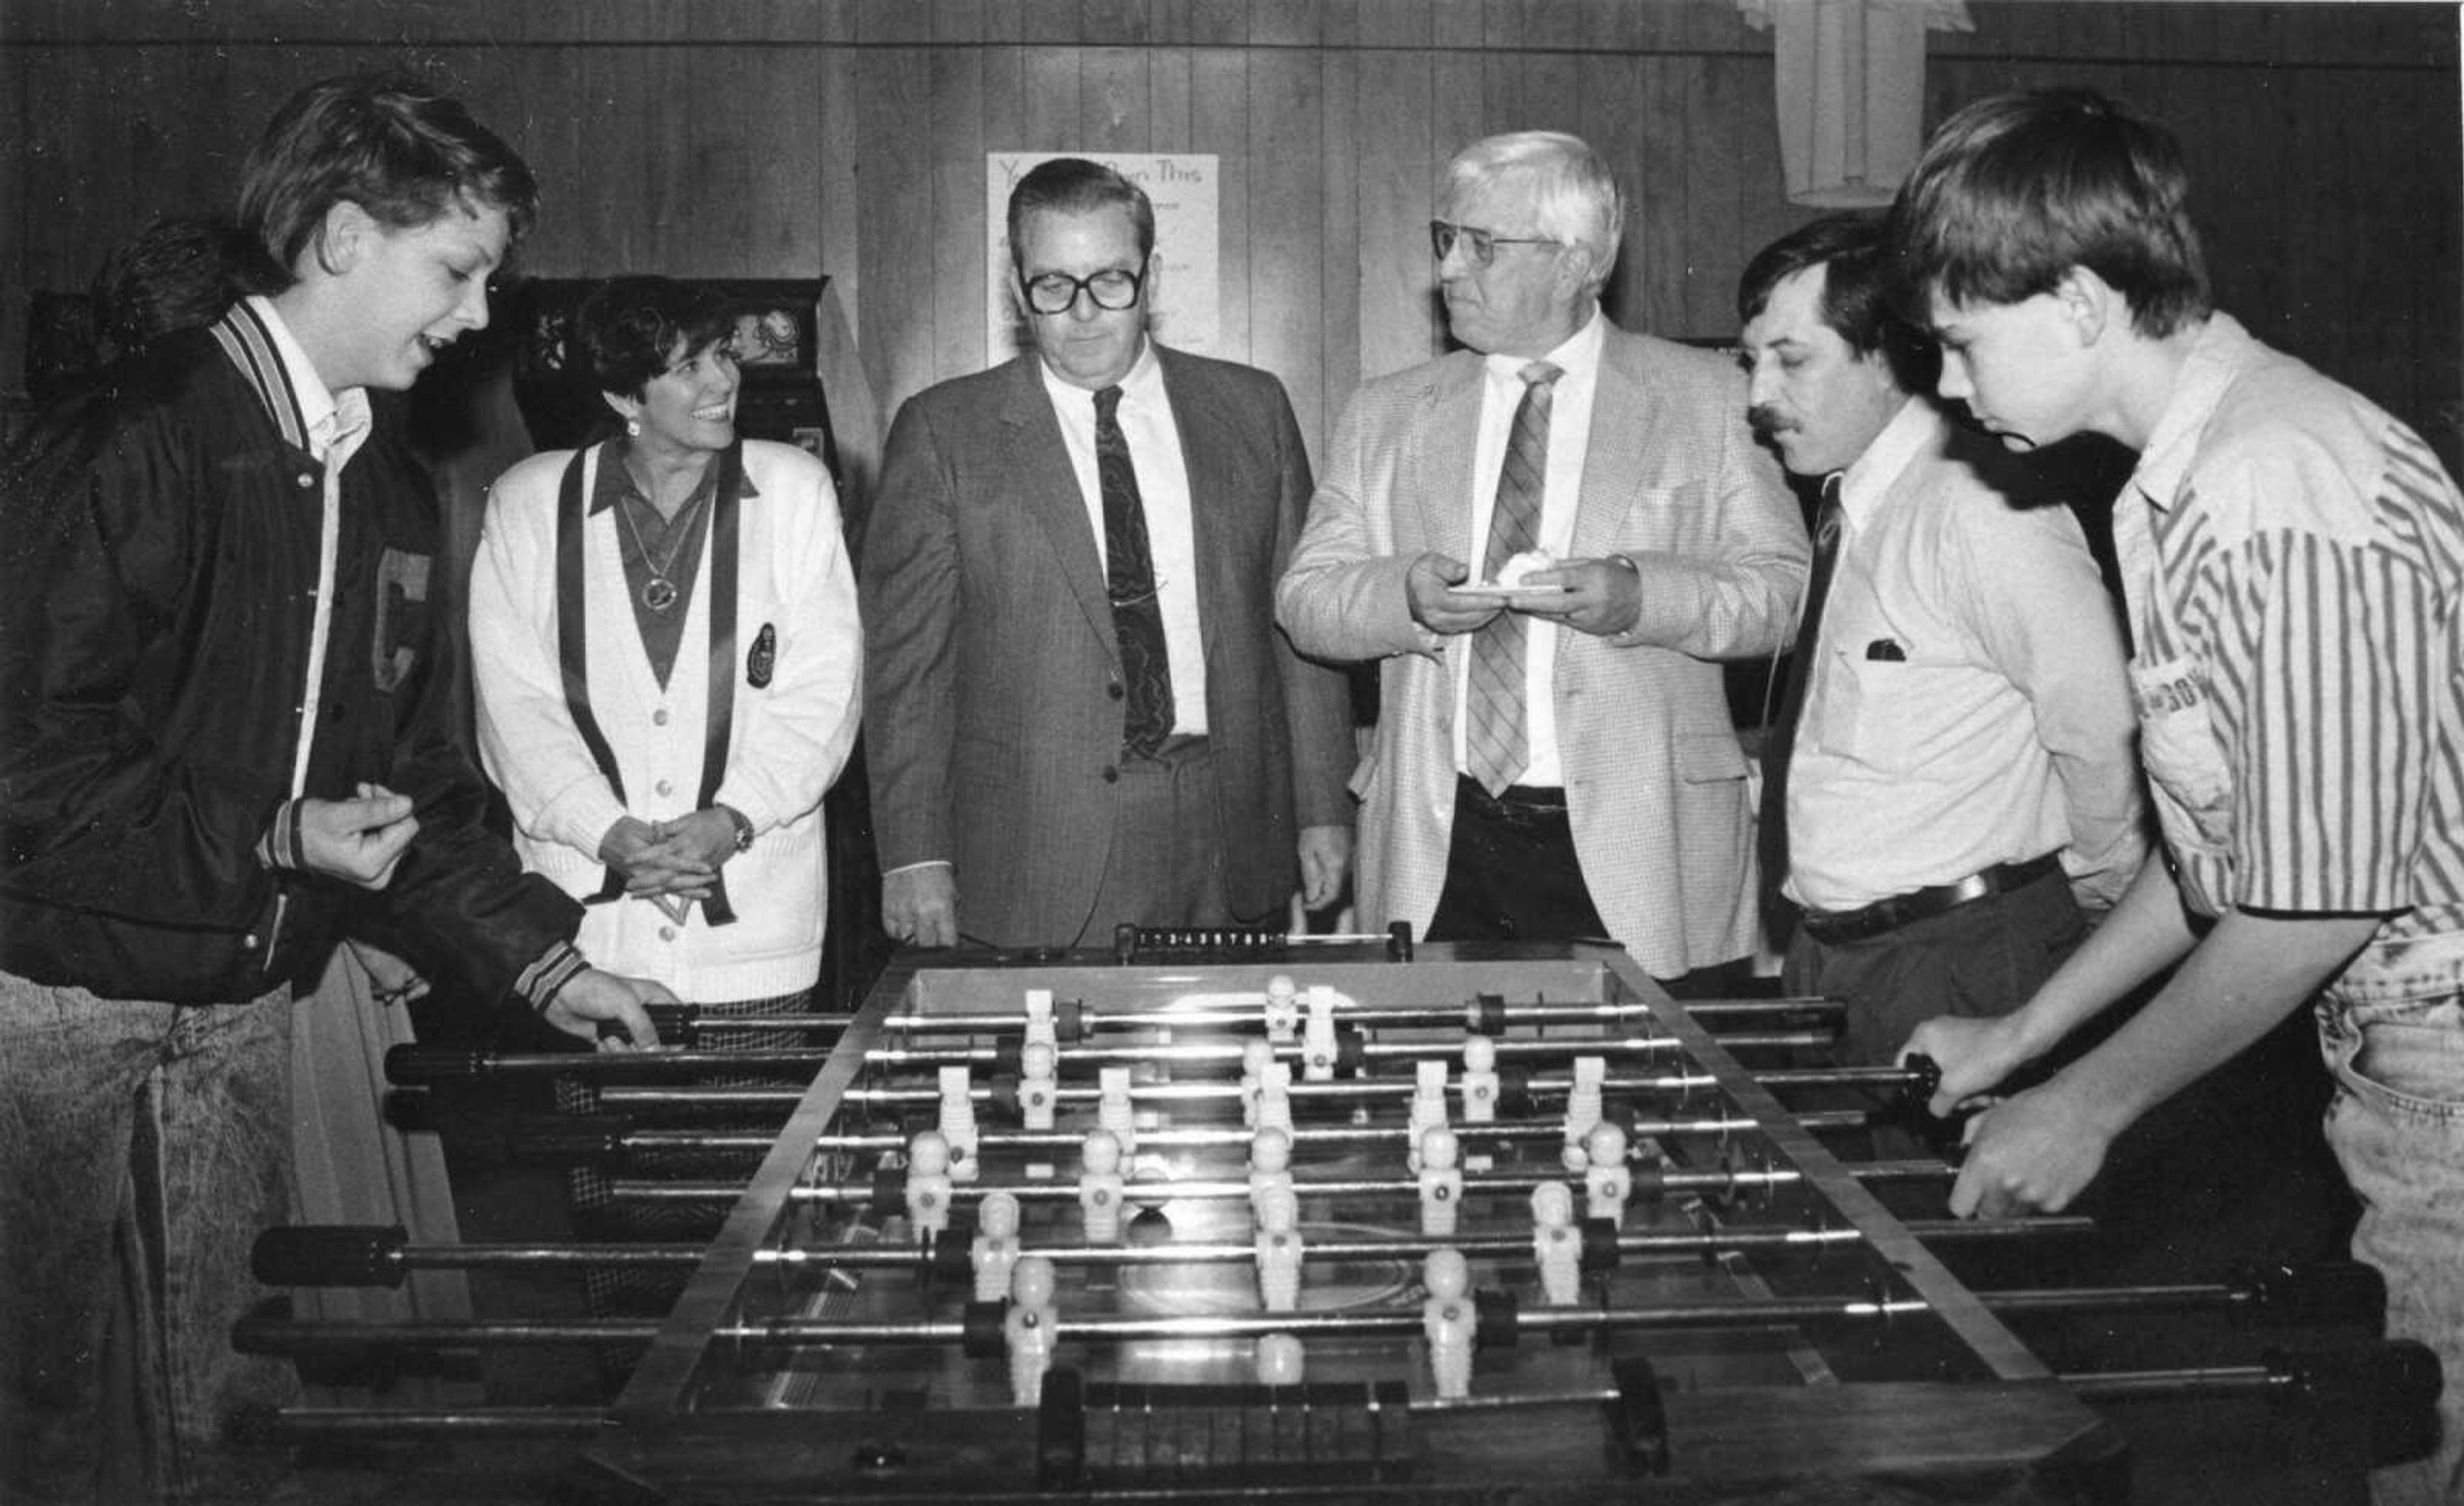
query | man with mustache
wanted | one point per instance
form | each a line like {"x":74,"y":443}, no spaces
{"x":1949,"y":789}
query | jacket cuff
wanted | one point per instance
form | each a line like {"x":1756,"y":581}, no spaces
{"x":281,"y":848}
{"x":560,"y":964}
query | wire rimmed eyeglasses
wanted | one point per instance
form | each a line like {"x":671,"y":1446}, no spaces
{"x":1056,"y":292}
{"x":1480,"y":246}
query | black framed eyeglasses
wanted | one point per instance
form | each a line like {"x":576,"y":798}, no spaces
{"x":1480,"y":246}
{"x":1112,"y":289}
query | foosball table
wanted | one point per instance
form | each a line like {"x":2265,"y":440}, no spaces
{"x":1220,"y":1215}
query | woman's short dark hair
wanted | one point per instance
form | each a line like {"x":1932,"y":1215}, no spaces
{"x":630,"y":329}
{"x":175,"y":274}
{"x":391,"y":144}
{"x":1075,"y":186}
{"x":1856,"y":293}
{"x":2016,"y":189}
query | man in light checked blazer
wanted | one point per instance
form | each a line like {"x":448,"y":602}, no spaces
{"x":1601,"y":791}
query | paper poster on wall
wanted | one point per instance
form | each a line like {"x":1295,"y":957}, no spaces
{"x":1182,"y":187}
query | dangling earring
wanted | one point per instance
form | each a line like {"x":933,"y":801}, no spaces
{"x":632,"y":429}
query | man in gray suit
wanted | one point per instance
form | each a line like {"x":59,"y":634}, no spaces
{"x":1959,"y":788}
{"x":1556,"y":757}
{"x":1078,"y":708}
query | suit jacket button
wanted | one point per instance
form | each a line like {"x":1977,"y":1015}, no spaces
{"x":1114,"y":690}
{"x":1112,"y":775}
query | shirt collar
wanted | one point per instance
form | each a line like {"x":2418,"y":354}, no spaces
{"x":325,"y":417}
{"x":615,"y":482}
{"x":2219,"y":356}
{"x":1870,"y":476}
{"x":1577,"y":357}
{"x":1142,"y":383}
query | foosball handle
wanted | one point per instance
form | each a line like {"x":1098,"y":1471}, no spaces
{"x":426,"y":1066}
{"x":1910,"y":1110}
{"x":2380,"y":1397}
{"x":2321,"y":1293}
{"x":1398,"y":941}
{"x":330,"y":1254}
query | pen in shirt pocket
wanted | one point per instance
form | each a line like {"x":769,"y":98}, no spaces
{"x":1886,"y":651}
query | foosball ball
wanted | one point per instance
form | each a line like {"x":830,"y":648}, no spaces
{"x":1226,"y":1216}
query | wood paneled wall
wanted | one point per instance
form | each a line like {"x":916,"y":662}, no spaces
{"x":785,"y":138}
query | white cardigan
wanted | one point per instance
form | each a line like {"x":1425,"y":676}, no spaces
{"x":788,"y":741}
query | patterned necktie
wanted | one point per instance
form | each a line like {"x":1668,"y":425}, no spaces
{"x":1497,"y":741}
{"x":1129,"y":578}
{"x":1780,"y":741}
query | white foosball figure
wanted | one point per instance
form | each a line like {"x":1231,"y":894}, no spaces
{"x":1113,"y":1110}
{"x":1428,"y":1107}
{"x":1275,"y":1098}
{"x":1441,"y":1183}
{"x":1257,"y":1054}
{"x":1283,"y":1010}
{"x":1270,"y":1165}
{"x":959,"y":1121}
{"x":1480,"y":1081}
{"x":1450,"y":1322}
{"x":1100,"y":1188}
{"x":1583,"y":1108}
{"x":1279,"y":1360}
{"x":1608,"y":1181}
{"x":1317,"y":1035}
{"x":1278,"y":1253}
{"x":1029,"y":1326}
{"x":927,"y":1184}
{"x":1039,"y":1019}
{"x":994,"y":1254}
{"x":1039,"y":1095}
{"x":1557,"y":1246}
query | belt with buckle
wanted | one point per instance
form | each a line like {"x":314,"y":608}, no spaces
{"x":1838,"y":927}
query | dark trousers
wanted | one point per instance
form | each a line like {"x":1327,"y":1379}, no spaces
{"x":1983,"y":958}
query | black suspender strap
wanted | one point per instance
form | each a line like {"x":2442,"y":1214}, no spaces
{"x":572,"y":642}
{"x":721,"y":720}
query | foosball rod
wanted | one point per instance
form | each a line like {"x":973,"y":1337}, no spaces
{"x":2328,"y":1293}
{"x":1366,"y":1090}
{"x":1644,"y":1185}
{"x":1477,"y":1014}
{"x":423,"y":1065}
{"x":376,"y":1255}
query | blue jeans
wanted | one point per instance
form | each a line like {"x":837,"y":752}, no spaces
{"x":142,"y":1147}
{"x":2392,"y":1032}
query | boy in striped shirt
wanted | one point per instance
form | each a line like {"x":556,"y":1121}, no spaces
{"x":2293,"y":560}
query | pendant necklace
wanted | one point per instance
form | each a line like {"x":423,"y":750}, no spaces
{"x":659,"y":592}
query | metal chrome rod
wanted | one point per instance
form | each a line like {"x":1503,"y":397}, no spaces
{"x":1536,"y":1012}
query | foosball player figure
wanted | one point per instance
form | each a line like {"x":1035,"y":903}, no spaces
{"x":928,"y":1185}
{"x":1271,"y":1165}
{"x":1279,"y":1360}
{"x":1275,"y":1098}
{"x":1283,"y":1010}
{"x":1040,"y":1029}
{"x":994,"y":1254}
{"x":1099,"y":1188}
{"x":1278,"y":1253}
{"x":1448,"y":1321}
{"x":1257,"y":1054}
{"x":1609,"y":1182}
{"x":1039,"y":1095}
{"x":1031,"y":1326}
{"x":1556,"y":1245}
{"x":1583,"y":1108}
{"x":1318,"y":1047}
{"x":1428,"y":1107}
{"x":1480,"y":1081}
{"x":959,"y":1121}
{"x":1441,"y":1183}
{"x":1114,"y":1111}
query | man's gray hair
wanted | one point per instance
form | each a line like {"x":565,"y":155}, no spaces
{"x":1572,"y":192}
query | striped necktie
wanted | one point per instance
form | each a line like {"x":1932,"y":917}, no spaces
{"x":1497,"y":737}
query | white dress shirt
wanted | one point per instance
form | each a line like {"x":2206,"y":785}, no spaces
{"x":1968,"y":704}
{"x":1163,"y":489}
{"x":1570,"y":436}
